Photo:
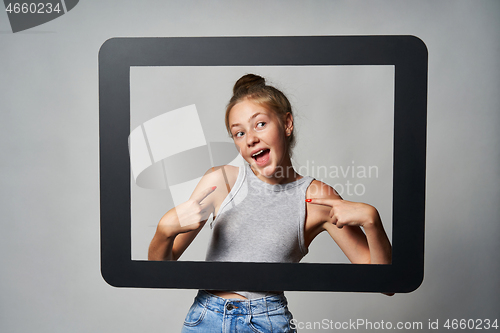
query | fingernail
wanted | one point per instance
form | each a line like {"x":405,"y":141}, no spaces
{"x":214,"y":187}
{"x":308,"y":200}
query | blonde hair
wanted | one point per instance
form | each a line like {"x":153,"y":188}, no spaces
{"x":253,"y":87}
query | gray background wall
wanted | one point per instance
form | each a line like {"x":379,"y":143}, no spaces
{"x":50,"y":276}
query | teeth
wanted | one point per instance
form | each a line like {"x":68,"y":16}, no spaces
{"x":257,"y":153}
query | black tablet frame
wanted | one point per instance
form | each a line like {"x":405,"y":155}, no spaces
{"x":409,"y":56}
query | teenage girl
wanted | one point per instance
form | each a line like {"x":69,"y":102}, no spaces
{"x":271,"y":214}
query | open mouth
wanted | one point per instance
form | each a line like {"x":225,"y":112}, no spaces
{"x":261,"y":157}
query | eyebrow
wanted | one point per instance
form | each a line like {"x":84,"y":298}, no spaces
{"x":253,"y":116}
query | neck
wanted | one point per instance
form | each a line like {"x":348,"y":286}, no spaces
{"x":283,"y":174}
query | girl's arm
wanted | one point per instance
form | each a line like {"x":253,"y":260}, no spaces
{"x":180,"y":225}
{"x":372,"y":247}
{"x":344,"y":219}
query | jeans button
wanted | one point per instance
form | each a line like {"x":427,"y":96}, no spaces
{"x":229,"y":307}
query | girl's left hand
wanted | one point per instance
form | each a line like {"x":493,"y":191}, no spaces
{"x":357,"y":214}
{"x":348,"y":213}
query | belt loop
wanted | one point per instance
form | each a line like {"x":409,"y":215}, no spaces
{"x":207,"y":297}
{"x":248,"y":305}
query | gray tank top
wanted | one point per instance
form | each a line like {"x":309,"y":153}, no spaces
{"x":260,"y":222}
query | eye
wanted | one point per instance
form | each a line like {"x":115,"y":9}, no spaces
{"x":238,"y":134}
{"x":261,"y":124}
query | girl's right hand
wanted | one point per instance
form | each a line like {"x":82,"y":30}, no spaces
{"x":188,"y":216}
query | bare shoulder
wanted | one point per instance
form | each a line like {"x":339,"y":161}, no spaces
{"x":320,"y":190}
{"x":223,"y":177}
{"x":317,"y":215}
{"x":223,"y":173}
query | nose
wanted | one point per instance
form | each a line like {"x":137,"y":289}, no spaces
{"x":252,"y":138}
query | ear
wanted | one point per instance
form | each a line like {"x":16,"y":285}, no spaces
{"x":288,"y":124}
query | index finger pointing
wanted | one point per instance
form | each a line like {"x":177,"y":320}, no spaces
{"x":199,"y":197}
{"x":319,"y":201}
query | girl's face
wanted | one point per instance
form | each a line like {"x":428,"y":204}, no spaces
{"x":260,"y":138}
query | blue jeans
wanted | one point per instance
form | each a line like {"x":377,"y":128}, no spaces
{"x":213,"y":314}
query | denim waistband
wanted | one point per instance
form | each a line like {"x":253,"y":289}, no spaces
{"x":240,"y":306}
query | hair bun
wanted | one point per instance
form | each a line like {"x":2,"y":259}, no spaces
{"x":246,"y":82}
